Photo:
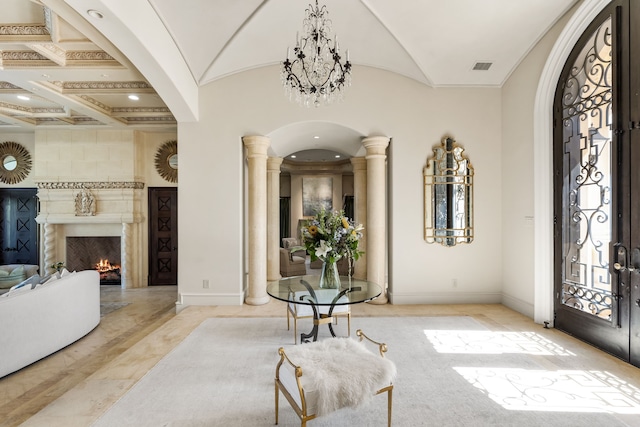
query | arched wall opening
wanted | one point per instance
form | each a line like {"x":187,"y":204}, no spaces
{"x":262,"y":194}
{"x":316,"y":137}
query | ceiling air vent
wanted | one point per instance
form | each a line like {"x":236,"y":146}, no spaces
{"x":482,"y":66}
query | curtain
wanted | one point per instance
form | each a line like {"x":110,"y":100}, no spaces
{"x":348,"y":207}
{"x":285,"y":217}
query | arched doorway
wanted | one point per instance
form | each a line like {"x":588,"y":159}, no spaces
{"x":542,"y":149}
{"x":595,"y":187}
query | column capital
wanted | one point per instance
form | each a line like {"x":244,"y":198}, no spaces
{"x":359,"y":163}
{"x":256,"y":145}
{"x":273,"y":163}
{"x":376,"y":145}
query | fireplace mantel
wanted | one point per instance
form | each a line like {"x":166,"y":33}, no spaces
{"x":96,"y":219}
{"x":117,"y":203}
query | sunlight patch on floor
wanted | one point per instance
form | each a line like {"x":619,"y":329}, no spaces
{"x":564,"y":390}
{"x":489,"y":342}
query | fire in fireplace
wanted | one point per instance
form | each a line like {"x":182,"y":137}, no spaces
{"x":95,"y":253}
{"x":109,"y":273}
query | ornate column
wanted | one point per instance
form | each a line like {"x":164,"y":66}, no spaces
{"x":257,"y":219}
{"x":360,"y":210}
{"x":376,"y":212}
{"x":126,"y":240}
{"x":49,"y":247}
{"x":273,"y":218}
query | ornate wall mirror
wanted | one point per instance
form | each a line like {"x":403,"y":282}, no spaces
{"x":167,"y":161}
{"x":448,"y":196}
{"x":15,"y":162}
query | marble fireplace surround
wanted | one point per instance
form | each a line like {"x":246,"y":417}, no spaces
{"x":117,"y":210}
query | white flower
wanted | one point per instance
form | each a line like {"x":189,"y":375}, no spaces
{"x":323,"y":249}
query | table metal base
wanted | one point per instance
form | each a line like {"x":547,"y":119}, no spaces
{"x":321,"y":319}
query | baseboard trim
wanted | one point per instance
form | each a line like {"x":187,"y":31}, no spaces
{"x":187,"y":299}
{"x":518,"y":305}
{"x":445,"y":298}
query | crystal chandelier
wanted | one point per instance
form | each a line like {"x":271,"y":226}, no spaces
{"x":315,"y":75}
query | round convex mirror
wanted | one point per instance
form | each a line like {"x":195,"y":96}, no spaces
{"x":173,"y":161}
{"x":15,"y":164}
{"x":167,"y":161}
{"x":9,"y":163}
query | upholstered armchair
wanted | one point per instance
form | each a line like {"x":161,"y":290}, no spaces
{"x":292,"y":242}
{"x":291,"y":265}
{"x":307,"y":378}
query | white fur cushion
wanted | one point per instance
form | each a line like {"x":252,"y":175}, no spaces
{"x":336,"y":373}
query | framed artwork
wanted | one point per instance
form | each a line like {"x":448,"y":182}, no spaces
{"x":317,"y":192}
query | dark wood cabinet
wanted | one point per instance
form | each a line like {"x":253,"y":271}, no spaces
{"x":163,"y":236}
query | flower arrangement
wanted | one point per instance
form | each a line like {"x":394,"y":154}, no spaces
{"x":330,"y":236}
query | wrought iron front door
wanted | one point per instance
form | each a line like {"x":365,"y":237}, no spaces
{"x":597,"y":211}
{"x":18,"y":227}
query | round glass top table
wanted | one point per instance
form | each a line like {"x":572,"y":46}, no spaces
{"x":306,"y":290}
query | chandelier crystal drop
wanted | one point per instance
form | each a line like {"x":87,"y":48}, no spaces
{"x":315,"y":74}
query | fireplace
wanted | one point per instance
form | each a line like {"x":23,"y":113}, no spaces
{"x":95,"y":253}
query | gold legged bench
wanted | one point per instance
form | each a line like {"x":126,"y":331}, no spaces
{"x":323,"y":376}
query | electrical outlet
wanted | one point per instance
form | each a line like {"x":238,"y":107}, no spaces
{"x":205,"y":283}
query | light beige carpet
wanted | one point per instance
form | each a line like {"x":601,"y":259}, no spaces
{"x":451,"y":372}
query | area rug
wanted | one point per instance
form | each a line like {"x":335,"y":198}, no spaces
{"x":452,"y":371}
{"x":110,"y":307}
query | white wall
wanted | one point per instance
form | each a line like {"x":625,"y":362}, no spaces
{"x":211,"y":199}
{"x":518,"y":99}
{"x":518,"y":95}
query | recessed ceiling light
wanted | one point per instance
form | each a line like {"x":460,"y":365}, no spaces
{"x":337,"y":156}
{"x":316,"y":137}
{"x":24,"y":97}
{"x":293,"y":156}
{"x":134,"y":97}
{"x":95,"y":13}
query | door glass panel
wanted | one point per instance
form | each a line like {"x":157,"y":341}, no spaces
{"x":586,"y":194}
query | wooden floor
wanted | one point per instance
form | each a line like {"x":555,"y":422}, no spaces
{"x":74,"y":386}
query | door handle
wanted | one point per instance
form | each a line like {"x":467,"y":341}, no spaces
{"x":620,"y":258}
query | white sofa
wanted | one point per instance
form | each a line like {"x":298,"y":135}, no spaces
{"x":40,"y":321}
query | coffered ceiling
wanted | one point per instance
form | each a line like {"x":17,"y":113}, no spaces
{"x":53,"y":74}
{"x":77,"y":68}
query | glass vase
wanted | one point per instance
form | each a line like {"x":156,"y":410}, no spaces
{"x":329,"y":277}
